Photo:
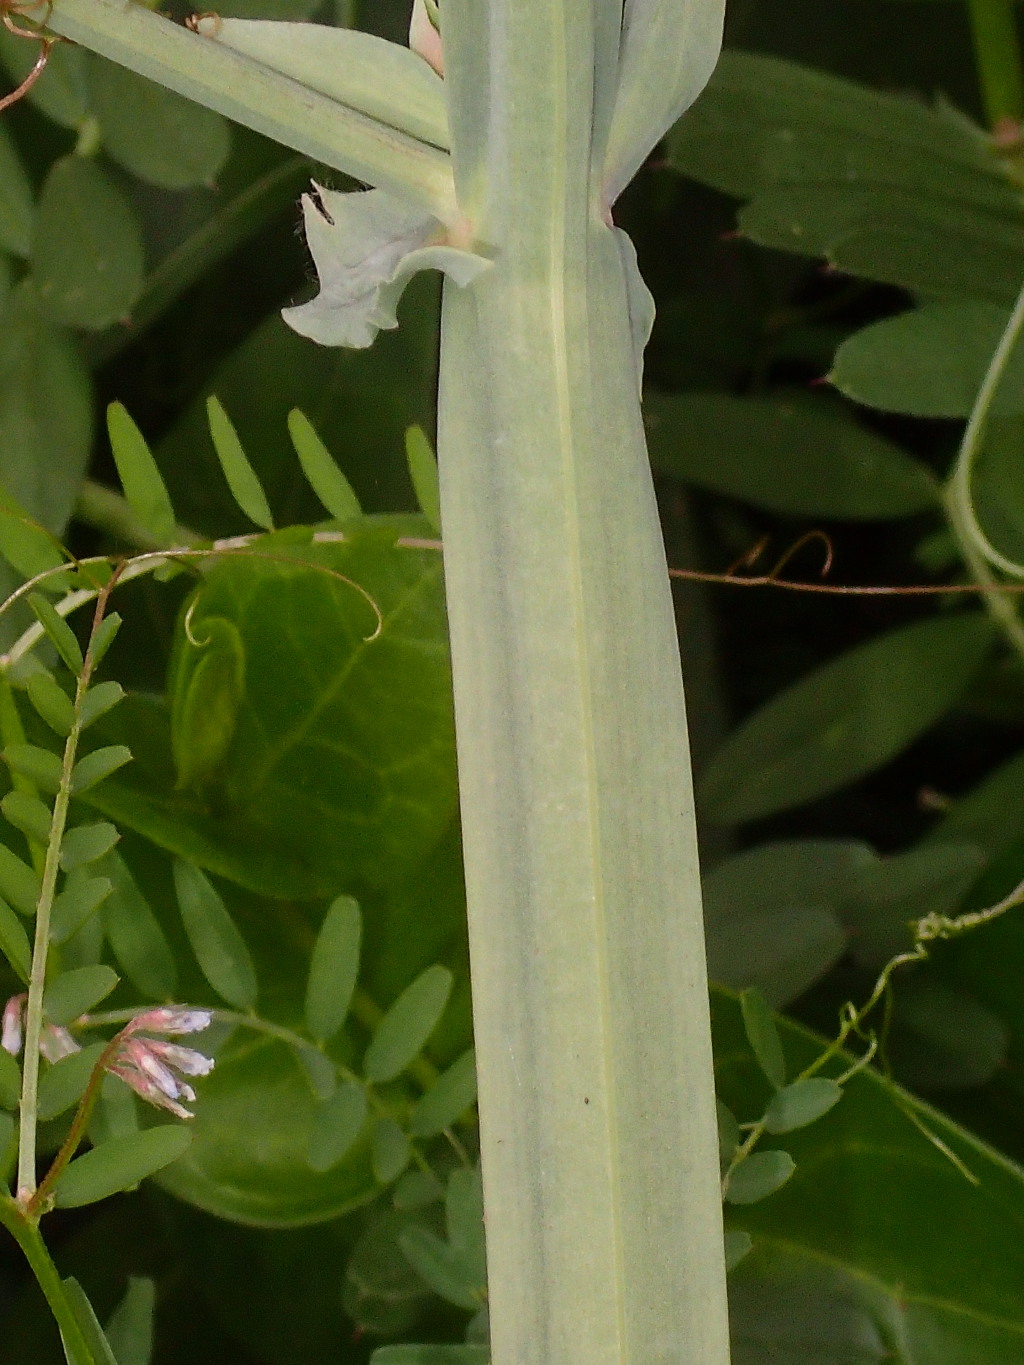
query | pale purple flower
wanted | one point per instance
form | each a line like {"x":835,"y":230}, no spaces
{"x":11,"y":1038}
{"x":171,"y":1019}
{"x":155,"y":1069}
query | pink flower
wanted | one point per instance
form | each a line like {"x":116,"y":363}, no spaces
{"x":11,"y":1038}
{"x":155,"y":1069}
{"x":55,"y":1042}
{"x":171,"y":1019}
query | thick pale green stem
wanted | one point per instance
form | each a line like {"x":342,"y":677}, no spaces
{"x":26,"y":1233}
{"x":252,"y":94}
{"x":593,"y":1044}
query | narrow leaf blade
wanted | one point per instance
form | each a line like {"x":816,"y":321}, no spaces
{"x":60,"y":633}
{"x":219,"y":948}
{"x":140,"y":478}
{"x":334,"y":968}
{"x":324,"y":477}
{"x":242,"y":478}
{"x":423,"y":472}
{"x":763,"y":1036}
{"x":408,"y":1024}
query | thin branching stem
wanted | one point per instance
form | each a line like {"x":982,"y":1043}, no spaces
{"x":28,"y":1116}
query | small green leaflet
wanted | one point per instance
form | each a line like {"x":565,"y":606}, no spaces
{"x":140,"y":478}
{"x":408,"y":1024}
{"x":333,"y":969}
{"x":74,"y":993}
{"x":325,"y":478}
{"x":39,"y":765}
{"x":337,"y":1124}
{"x":64,"y":1083}
{"x":423,"y":472}
{"x":61,"y":635}
{"x":51,"y":702}
{"x":29,"y":814}
{"x":242,"y":478}
{"x":14,"y":942}
{"x":91,"y":770}
{"x":447,"y":1100}
{"x":120,"y":1163}
{"x":391,"y":1151}
{"x":219,"y":948}
{"x":135,"y":935}
{"x":801,"y":1103}
{"x":18,"y":882}
{"x":758,"y":1176}
{"x":763,"y":1036}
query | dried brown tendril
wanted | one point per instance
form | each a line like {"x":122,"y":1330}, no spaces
{"x":35,"y":13}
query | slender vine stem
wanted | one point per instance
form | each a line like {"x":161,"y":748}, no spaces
{"x":980,"y":555}
{"x":37,"y":980}
{"x":997,"y":56}
{"x":25,"y":1232}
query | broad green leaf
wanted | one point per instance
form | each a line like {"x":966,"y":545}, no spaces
{"x":758,"y":1176}
{"x":447,"y":1100}
{"x":19,"y":883}
{"x":152,"y":132}
{"x":105,"y":695}
{"x":219,"y":948}
{"x":881,"y":1233}
{"x":325,"y":478}
{"x":85,"y":843}
{"x":405,"y":1028}
{"x":817,"y":1317}
{"x":14,"y":942}
{"x":886,"y":896}
{"x":845,"y":719}
{"x":63,"y":1084}
{"x":384,"y":80}
{"x":763,"y":1036}
{"x":242,"y":478}
{"x":990,"y":815}
{"x":334,"y":968}
{"x":251,"y":1129}
{"x":771,"y":913}
{"x":120,"y":1164}
{"x":441,"y":1267}
{"x":87,"y":255}
{"x":337,"y":1123}
{"x":10,"y":1081}
{"x":39,"y":765}
{"x":74,"y":993}
{"x":423,"y":472}
{"x":341,"y":771}
{"x":764,"y":122}
{"x":81,"y":897}
{"x":99,"y":1347}
{"x":801,"y":1103}
{"x":793,"y":455}
{"x":45,"y":424}
{"x":130,"y":1327}
{"x":140,"y":478}
{"x":936,"y":248}
{"x":391,"y":1150}
{"x":942,"y":1037}
{"x":928,"y":362}
{"x":135,"y":935}
{"x":16,"y":206}
{"x":60,"y":634}
{"x":98,"y":766}
{"x":51,"y":702}
{"x":60,"y":91}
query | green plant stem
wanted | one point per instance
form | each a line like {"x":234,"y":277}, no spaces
{"x":599,"y":1153}
{"x":25,"y":1232}
{"x":978,"y":552}
{"x":37,"y":981}
{"x":259,"y":98}
{"x":997,"y":55}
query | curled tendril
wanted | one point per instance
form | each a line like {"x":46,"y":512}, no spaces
{"x":10,"y":11}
